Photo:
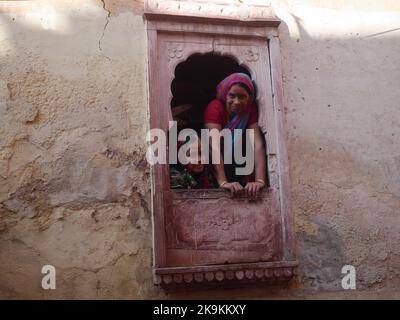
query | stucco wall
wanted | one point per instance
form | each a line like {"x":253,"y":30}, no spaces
{"x":341,"y":66}
{"x":74,"y":182}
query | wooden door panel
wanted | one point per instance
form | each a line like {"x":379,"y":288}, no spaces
{"x":221,"y":229}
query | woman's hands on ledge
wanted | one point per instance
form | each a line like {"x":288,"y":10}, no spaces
{"x":233,"y":187}
{"x":251,"y":190}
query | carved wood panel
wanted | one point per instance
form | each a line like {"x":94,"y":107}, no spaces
{"x":222,"y":230}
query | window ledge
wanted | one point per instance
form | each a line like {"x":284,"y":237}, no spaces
{"x":267,"y":272}
{"x":214,"y":194}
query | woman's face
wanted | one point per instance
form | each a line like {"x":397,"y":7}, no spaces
{"x":237,"y":100}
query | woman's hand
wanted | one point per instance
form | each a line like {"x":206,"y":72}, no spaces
{"x":233,"y":187}
{"x":252,"y":189}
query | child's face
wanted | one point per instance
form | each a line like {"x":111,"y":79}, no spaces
{"x":195,"y":165}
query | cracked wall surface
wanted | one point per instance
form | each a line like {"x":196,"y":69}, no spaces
{"x":75,"y":184}
{"x":74,"y":181}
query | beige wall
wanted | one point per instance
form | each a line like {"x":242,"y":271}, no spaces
{"x":74,"y":182}
{"x":341,"y":69}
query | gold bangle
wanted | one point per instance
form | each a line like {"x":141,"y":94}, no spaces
{"x":223,"y":183}
{"x":262,"y":181}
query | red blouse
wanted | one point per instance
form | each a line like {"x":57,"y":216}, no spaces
{"x":216,"y":113}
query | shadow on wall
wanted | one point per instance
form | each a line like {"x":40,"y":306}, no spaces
{"x":339,"y":93}
{"x":69,"y":96}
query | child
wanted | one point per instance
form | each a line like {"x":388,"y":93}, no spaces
{"x":193,"y":175}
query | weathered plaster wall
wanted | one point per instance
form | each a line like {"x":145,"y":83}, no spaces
{"x":74,"y":182}
{"x":341,"y":66}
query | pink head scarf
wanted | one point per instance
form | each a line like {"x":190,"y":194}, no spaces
{"x":225,"y":85}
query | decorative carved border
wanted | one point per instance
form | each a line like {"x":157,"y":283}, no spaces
{"x":226,"y":274}
{"x":251,"y":15}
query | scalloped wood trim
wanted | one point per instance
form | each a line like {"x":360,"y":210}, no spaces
{"x":226,"y":274}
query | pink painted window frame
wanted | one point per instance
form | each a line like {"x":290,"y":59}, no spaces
{"x":178,"y":23}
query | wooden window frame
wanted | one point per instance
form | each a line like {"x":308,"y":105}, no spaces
{"x":188,"y":23}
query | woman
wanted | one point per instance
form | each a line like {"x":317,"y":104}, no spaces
{"x":234,"y":108}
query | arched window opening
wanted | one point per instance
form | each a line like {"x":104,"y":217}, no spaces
{"x":194,"y":86}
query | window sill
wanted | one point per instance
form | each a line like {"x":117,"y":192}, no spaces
{"x":215,"y":194}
